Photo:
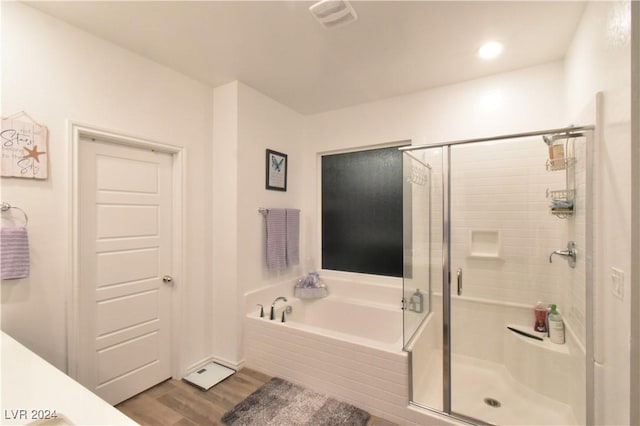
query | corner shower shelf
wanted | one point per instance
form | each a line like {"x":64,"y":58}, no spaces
{"x":562,"y":200}
{"x":562,"y":213}
{"x":562,"y":195}
{"x":545,"y":344}
{"x":560,"y":163}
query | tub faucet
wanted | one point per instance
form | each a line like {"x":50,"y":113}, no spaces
{"x":570,"y":253}
{"x":273,"y":306}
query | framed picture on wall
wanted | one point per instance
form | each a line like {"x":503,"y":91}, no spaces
{"x":24,"y":147}
{"x":276,"y":170}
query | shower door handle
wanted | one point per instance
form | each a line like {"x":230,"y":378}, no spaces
{"x":459,"y":274}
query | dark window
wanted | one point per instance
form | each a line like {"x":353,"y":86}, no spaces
{"x":362,"y":212}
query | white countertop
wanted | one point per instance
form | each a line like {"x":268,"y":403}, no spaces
{"x":32,"y":390}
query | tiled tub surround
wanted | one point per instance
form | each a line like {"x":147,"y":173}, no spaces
{"x":348,"y":345}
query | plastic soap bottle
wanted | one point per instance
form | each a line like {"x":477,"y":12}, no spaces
{"x":417,"y":300}
{"x":556,"y":326}
{"x":540,"y":311}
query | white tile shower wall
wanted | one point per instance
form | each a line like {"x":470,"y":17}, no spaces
{"x":501,"y":186}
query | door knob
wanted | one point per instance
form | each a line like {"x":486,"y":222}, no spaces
{"x":167,"y":279}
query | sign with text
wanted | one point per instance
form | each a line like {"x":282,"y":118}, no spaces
{"x":24,"y":149}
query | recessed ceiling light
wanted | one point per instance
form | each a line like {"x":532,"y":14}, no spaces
{"x":490,"y":50}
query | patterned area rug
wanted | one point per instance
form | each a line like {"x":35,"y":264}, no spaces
{"x":279,"y":403}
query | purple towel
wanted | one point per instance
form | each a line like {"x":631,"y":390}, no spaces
{"x":293,"y":237}
{"x":14,"y":253}
{"x":276,"y":239}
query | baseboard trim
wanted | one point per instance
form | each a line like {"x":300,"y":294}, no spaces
{"x":235,"y":365}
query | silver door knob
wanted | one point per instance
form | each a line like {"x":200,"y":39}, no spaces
{"x":167,"y":279}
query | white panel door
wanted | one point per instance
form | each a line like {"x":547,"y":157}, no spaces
{"x":125,"y":237}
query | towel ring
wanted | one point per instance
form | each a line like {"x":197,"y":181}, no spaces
{"x":6,"y":206}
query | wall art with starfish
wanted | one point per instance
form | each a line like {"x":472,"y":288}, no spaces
{"x":24,"y":147}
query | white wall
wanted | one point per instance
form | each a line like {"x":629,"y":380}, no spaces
{"x":56,"y":73}
{"x":224,"y":260}
{"x":635,"y":215}
{"x":522,"y":100}
{"x":246,"y":123}
{"x":599,"y":61}
{"x":265,"y":124}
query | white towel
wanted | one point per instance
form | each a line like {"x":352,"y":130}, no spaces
{"x":293,"y":237}
{"x":14,"y":253}
{"x":276,"y":239}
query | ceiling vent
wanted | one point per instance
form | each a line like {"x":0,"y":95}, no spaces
{"x":333,"y":13}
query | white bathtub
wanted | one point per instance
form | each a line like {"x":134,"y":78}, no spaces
{"x":373,"y":326}
{"x":350,"y":349}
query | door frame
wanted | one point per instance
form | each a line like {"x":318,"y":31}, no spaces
{"x":77,"y":131}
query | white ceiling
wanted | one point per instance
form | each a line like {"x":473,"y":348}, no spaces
{"x":277,"y":47}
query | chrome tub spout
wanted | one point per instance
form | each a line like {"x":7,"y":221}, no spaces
{"x":571,"y":253}
{"x":273,"y":306}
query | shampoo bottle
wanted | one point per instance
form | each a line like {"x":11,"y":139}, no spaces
{"x":556,"y":326}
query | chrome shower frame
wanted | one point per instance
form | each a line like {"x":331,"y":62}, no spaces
{"x":561,"y":133}
{"x":548,"y":135}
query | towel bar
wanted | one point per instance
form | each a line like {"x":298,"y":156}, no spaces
{"x":6,"y":206}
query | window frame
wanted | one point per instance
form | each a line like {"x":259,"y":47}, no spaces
{"x":372,"y":278}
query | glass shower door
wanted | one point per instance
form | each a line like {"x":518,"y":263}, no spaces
{"x":422,"y":278}
{"x":416,"y":243}
{"x":501,"y":235}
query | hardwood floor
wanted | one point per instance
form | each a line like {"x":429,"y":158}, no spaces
{"x":174,"y":402}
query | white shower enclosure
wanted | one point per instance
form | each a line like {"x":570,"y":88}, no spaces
{"x":487,"y":223}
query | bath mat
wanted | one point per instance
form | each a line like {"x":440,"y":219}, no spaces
{"x":279,"y":403}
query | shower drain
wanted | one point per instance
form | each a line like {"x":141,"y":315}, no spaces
{"x":492,"y":402}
